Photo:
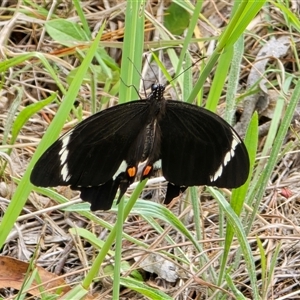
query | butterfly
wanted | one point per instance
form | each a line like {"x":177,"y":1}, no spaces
{"x":101,"y":154}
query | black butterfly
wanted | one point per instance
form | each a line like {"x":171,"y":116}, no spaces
{"x":102,"y":153}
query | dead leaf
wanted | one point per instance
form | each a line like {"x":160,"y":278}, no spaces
{"x":13,"y":273}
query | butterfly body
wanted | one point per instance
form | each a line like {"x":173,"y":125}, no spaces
{"x":102,"y":153}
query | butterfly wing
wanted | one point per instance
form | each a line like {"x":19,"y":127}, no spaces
{"x":200,"y":148}
{"x":91,"y":153}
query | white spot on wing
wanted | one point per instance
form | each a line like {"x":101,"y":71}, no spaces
{"x":122,"y":168}
{"x":157,"y":165}
{"x":65,"y":173}
{"x":217,"y":174}
{"x":227,"y":158}
{"x":63,"y":155}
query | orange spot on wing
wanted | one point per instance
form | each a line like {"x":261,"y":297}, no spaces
{"x":131,"y":171}
{"x":147,"y":170}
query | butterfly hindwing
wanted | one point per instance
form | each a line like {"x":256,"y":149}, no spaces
{"x":100,"y":197}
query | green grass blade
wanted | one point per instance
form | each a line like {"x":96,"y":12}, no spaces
{"x":219,"y":79}
{"x":275,"y":150}
{"x":239,"y":195}
{"x":24,"y":188}
{"x":132,"y":50}
{"x":235,"y":28}
{"x":234,"y":221}
{"x":146,"y":290}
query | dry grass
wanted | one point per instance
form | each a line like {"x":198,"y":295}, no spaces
{"x":43,"y":233}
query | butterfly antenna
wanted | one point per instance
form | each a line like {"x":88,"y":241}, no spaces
{"x":131,"y":86}
{"x":189,"y":67}
{"x":156,"y":78}
{"x":144,"y":87}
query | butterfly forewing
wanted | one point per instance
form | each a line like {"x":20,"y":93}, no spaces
{"x":92,"y":152}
